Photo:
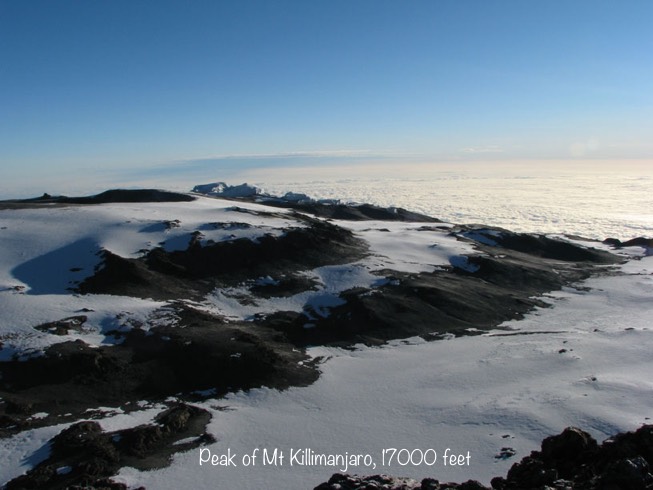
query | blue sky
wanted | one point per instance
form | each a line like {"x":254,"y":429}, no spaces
{"x":89,"y":85}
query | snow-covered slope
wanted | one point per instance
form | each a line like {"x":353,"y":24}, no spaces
{"x":238,"y":290}
{"x":585,"y":362}
{"x":46,"y":252}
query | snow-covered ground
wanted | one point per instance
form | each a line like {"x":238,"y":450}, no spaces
{"x":586,"y":362}
{"x":64,"y":243}
{"x":45,"y":251}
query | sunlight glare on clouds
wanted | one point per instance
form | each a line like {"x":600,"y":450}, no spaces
{"x":483,"y":149}
{"x":586,"y":148}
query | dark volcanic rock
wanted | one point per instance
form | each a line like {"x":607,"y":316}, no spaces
{"x":532,"y":245}
{"x":202,"y":352}
{"x":353,"y":212}
{"x":503,"y":286}
{"x":113,"y":195}
{"x":386,"y":482}
{"x":198,"y":269}
{"x":569,"y":460}
{"x":128,"y":195}
{"x":634,"y":242}
{"x":565,"y":452}
{"x":89,"y":456}
{"x":574,"y":457}
{"x":63,"y":326}
{"x":645,"y":243}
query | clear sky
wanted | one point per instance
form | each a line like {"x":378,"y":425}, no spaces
{"x":89,"y":85}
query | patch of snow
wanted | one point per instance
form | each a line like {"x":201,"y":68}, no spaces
{"x":116,"y":419}
{"x":462,"y":262}
{"x":187,"y":440}
{"x":23,"y":451}
{"x":239,"y":304}
{"x":105,"y":313}
{"x":296,"y":197}
{"x":407,"y":247}
{"x":483,"y":236}
{"x":266,"y":281}
{"x":221,"y":189}
{"x":321,"y":305}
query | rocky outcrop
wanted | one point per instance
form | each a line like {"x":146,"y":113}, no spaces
{"x":193,"y":272}
{"x":112,"y":195}
{"x":201,"y":352}
{"x":352,"y":212}
{"x":85,"y":456}
{"x":643,"y":242}
{"x":386,"y":482}
{"x":501,"y":283}
{"x":573,"y":459}
{"x":570,"y":460}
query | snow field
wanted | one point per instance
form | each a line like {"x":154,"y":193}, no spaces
{"x":504,"y":389}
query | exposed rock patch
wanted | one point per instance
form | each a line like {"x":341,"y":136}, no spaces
{"x":63,"y":326}
{"x":502,"y":285}
{"x":635,"y":242}
{"x":84,"y":456}
{"x":352,"y":212}
{"x":387,"y":482}
{"x":645,"y":243}
{"x":286,"y":285}
{"x":530,"y":244}
{"x":572,"y":459}
{"x":201,"y":353}
{"x":190,"y":273}
{"x":113,"y":195}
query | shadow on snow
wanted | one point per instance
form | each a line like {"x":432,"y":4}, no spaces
{"x":58,"y":271}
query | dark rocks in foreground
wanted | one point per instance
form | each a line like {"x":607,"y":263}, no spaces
{"x":201,"y":352}
{"x":386,"y":482}
{"x":570,"y":460}
{"x":84,"y":456}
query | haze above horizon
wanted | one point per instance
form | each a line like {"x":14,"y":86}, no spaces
{"x":94,"y":88}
